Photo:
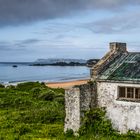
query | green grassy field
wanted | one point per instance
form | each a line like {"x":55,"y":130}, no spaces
{"x":32,"y":111}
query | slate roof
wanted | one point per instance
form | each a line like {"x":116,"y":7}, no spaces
{"x":124,"y":68}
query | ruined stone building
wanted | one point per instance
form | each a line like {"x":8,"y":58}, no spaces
{"x":117,"y":89}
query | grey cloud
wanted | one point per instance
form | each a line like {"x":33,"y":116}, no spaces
{"x":24,"y":43}
{"x":117,"y":24}
{"x":59,"y":29}
{"x":4,"y":46}
{"x":8,"y":47}
{"x":23,"y":11}
{"x":17,"y":45}
{"x":30,"y":41}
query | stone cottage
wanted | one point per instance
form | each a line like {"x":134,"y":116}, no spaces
{"x":117,"y":89}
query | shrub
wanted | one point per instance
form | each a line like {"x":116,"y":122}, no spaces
{"x":69,"y":133}
{"x":132,"y":135}
{"x":11,"y":87}
{"x":60,"y":99}
{"x":2,"y":86}
{"x":96,"y":122}
{"x":47,"y":96}
{"x":28,"y":86}
{"x":52,"y":95}
{"x":22,"y":129}
{"x":36,"y":91}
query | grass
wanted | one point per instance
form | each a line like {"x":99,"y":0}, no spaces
{"x":32,"y":111}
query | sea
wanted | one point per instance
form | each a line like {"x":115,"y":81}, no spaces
{"x":26,"y":73}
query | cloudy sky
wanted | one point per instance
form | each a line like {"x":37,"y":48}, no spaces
{"x":32,"y":29}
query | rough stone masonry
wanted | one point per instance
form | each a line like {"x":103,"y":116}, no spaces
{"x":118,"y":68}
{"x":78,"y":99}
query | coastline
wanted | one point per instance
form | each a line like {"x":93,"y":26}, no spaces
{"x":53,"y":84}
{"x":66,"y":84}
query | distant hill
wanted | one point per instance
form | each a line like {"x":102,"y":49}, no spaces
{"x":65,"y":62}
{"x":56,"y":62}
{"x":60,"y":62}
{"x":51,"y":60}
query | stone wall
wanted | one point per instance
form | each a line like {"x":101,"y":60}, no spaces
{"x":72,"y":109}
{"x":125,"y":115}
{"x":78,"y":100}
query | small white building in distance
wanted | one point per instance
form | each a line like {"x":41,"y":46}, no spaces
{"x":117,"y":89}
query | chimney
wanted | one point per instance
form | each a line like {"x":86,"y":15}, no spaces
{"x":118,"y":46}
{"x":116,"y":50}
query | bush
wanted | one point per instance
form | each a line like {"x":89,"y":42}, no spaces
{"x":52,"y":95}
{"x":47,"y":96}
{"x":22,"y":129}
{"x":36,"y":90}
{"x":69,"y":133}
{"x":28,"y":86}
{"x":96,"y":122}
{"x":2,"y":86}
{"x":11,"y":87}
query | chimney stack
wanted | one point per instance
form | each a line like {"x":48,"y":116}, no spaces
{"x":119,"y":47}
{"x":116,"y":50}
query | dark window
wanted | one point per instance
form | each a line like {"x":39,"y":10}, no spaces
{"x":129,"y":93}
{"x":122,"y":92}
{"x":137,"y":93}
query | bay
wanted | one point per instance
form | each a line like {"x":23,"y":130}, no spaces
{"x":24,"y":73}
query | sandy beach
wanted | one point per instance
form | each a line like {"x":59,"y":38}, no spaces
{"x":66,"y":85}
